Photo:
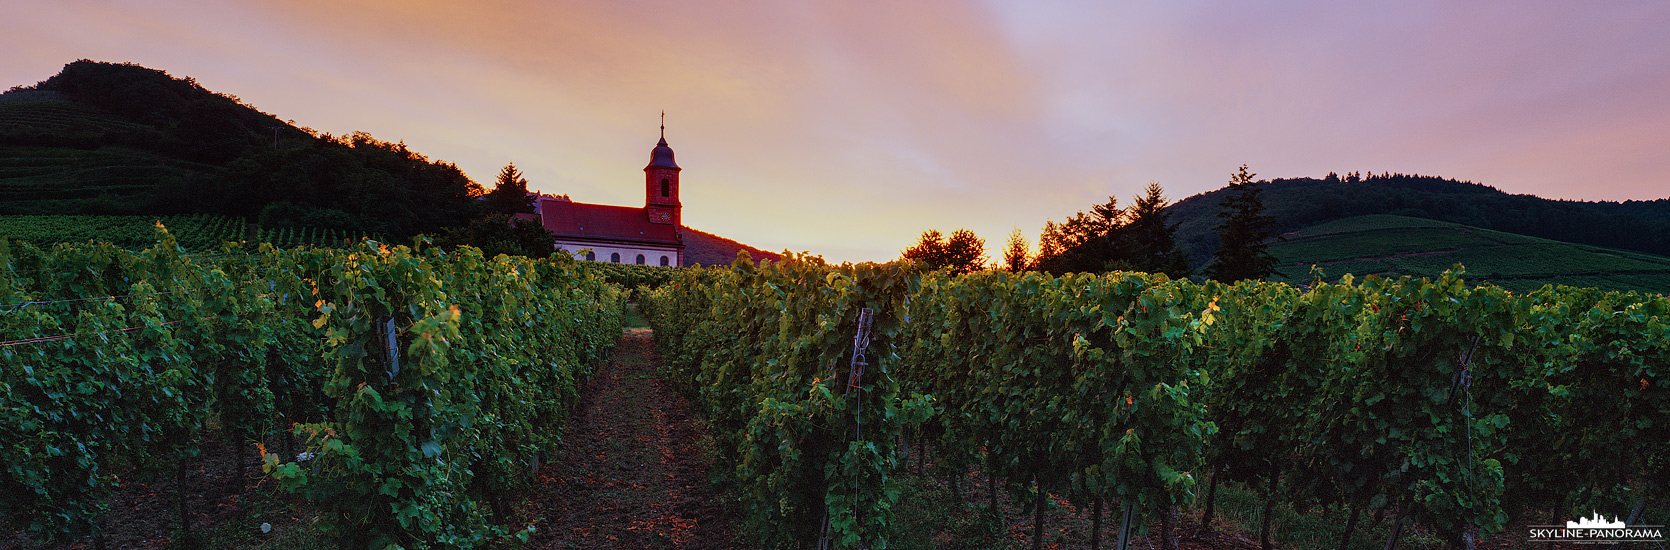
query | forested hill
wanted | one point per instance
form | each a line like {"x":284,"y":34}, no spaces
{"x":108,"y":138}
{"x":1302,"y":202}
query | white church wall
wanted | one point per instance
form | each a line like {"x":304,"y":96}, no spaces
{"x":628,"y":254}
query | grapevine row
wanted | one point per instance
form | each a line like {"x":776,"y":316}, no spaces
{"x":1450,"y":406}
{"x":116,"y":360}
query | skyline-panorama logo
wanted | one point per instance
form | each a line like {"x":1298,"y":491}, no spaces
{"x":1597,"y":529}
{"x":1597,"y":521}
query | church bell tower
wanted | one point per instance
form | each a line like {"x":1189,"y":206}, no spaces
{"x":661,"y":182}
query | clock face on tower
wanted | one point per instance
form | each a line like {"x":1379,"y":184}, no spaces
{"x":665,"y":216}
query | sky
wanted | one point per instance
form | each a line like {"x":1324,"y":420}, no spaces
{"x":846,"y":128}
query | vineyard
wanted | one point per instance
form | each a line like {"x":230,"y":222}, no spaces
{"x":411,"y":389}
{"x":1425,"y":402}
{"x":194,"y":233}
{"x":1398,"y":245}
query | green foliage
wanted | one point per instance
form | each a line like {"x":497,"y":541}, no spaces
{"x":498,"y":234}
{"x":196,"y":233}
{"x":115,"y":358}
{"x":633,"y":277}
{"x":765,"y":352}
{"x":1458,"y":404}
{"x":487,"y":356}
{"x":110,"y":359}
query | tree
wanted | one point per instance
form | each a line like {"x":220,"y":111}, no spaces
{"x":1086,"y":242}
{"x":510,"y":193}
{"x":1245,"y":226}
{"x":1150,"y":242}
{"x":962,"y":253}
{"x":499,"y":233}
{"x":1014,"y":252}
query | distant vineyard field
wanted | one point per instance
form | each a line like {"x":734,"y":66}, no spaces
{"x":1399,"y":245}
{"x":197,"y":232}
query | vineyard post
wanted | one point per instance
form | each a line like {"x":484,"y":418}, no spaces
{"x":1125,"y":525}
{"x":1096,"y":524}
{"x":855,"y":391}
{"x":392,"y":346}
{"x":1037,"y":514}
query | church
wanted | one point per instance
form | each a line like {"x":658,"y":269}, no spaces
{"x":651,"y":235}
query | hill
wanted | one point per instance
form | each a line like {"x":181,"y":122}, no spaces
{"x":703,"y":248}
{"x":1642,"y":226}
{"x":1390,"y":245}
{"x":118,"y":138}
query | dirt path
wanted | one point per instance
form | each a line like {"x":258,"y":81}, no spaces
{"x":630,"y":473}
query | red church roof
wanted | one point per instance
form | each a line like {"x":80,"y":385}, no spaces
{"x":603,"y":222}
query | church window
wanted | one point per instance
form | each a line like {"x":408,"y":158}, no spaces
{"x":666,"y":187}
{"x":615,"y":257}
{"x":640,"y":259}
{"x":591,"y":256}
{"x":663,"y":261}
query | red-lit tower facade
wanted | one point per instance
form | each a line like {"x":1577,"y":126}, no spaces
{"x":661,"y":185}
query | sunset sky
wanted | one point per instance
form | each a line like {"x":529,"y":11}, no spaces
{"x":846,"y":128}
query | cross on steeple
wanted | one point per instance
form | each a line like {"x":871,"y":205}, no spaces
{"x":663,"y":124}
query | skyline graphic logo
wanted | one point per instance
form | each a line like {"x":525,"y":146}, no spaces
{"x":1596,"y":522}
{"x":1596,"y":529}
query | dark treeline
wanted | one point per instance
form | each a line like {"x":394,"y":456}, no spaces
{"x":1296,"y":203}
{"x":1139,"y":237}
{"x":211,"y":153}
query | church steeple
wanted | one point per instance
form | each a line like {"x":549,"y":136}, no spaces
{"x":661,"y":182}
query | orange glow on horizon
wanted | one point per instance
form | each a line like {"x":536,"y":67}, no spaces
{"x":848,"y":128}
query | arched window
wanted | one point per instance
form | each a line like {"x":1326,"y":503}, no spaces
{"x":615,"y":257}
{"x":640,"y":259}
{"x":663,"y":261}
{"x":666,"y":187}
{"x":591,"y":256}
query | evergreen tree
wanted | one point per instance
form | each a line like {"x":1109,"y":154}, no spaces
{"x":1150,"y":238}
{"x":961,"y":253}
{"x":510,"y":193}
{"x":1243,"y":230}
{"x":1014,"y":253}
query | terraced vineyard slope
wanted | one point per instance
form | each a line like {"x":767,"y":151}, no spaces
{"x":1400,"y":245}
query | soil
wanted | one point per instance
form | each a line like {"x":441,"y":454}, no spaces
{"x":631,"y":472}
{"x":220,"y":503}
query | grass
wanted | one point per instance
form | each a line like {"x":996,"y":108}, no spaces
{"x":634,"y":318}
{"x":1389,"y":245}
